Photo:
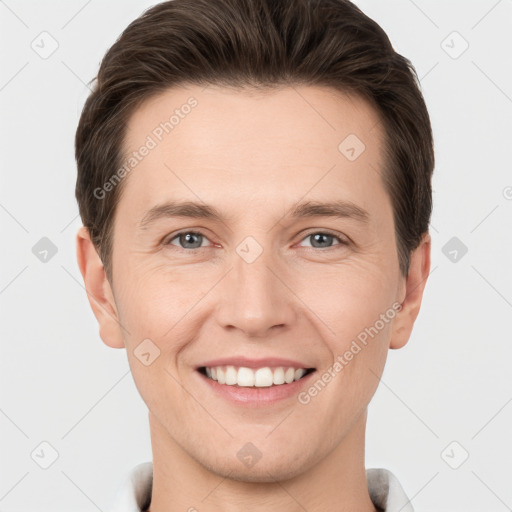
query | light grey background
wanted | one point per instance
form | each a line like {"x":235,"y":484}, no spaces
{"x":451,"y":383}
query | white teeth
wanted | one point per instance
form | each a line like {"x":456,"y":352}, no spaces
{"x":263,"y":378}
{"x":245,"y":377}
{"x":289,"y":375}
{"x":299,"y":373}
{"x":231,"y":376}
{"x":278,"y":377}
{"x":260,"y":378}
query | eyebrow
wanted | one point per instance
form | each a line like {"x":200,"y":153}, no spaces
{"x":191,"y":209}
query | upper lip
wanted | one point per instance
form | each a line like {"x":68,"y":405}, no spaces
{"x":255,"y":363}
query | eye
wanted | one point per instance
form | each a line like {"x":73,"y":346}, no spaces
{"x":194,"y":240}
{"x":323,"y":240}
{"x":187,"y":240}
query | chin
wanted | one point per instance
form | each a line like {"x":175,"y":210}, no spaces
{"x":265,"y":470}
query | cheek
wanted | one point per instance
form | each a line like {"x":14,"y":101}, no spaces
{"x":351,"y":298}
{"x":158,"y":302}
{"x":153,"y":306}
{"x":153,"y":300}
{"x":355,"y":306}
{"x":359,"y":314}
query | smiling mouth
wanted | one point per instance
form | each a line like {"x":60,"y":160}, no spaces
{"x":259,"y":378}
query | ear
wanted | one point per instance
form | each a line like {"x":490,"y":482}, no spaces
{"x":412,"y":293}
{"x":99,"y":291}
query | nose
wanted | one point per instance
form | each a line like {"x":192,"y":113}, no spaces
{"x":256,"y":299}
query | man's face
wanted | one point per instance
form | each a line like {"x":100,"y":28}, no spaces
{"x":258,"y":283}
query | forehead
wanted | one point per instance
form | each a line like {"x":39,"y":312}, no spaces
{"x":289,"y":114}
{"x":259,"y":146}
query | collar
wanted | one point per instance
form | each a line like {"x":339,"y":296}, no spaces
{"x":134,"y":493}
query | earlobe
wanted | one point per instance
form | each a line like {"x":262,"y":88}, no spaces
{"x":99,"y":292}
{"x":419,"y":269}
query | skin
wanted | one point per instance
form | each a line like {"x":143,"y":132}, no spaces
{"x":253,"y":156}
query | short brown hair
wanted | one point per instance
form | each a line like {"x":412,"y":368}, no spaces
{"x":260,"y":44}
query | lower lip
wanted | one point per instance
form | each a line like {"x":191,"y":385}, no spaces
{"x":253,"y":396}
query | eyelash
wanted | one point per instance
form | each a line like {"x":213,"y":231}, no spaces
{"x":341,"y":239}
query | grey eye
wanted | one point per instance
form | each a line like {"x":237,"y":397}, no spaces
{"x":188,"y":240}
{"x":321,"y":240}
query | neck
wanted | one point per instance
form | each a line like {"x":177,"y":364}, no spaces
{"x":337,"y":482}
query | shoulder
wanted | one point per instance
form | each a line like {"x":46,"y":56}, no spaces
{"x":386,"y":491}
{"x":133,"y":494}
